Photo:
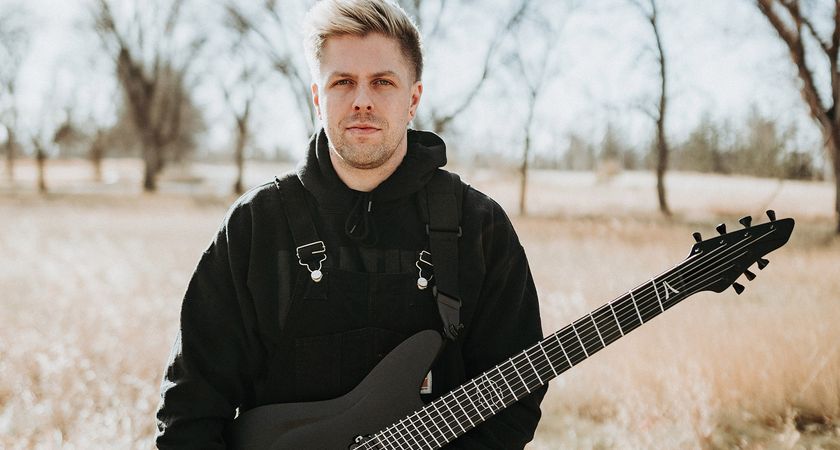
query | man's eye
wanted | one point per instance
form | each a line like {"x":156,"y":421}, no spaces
{"x":343,"y":82}
{"x":382,"y":82}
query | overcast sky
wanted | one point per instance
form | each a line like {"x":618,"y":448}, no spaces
{"x":724,"y":59}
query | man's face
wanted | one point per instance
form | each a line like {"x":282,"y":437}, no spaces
{"x":365,"y":95}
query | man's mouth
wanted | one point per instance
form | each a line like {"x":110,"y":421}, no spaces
{"x":362,"y":129}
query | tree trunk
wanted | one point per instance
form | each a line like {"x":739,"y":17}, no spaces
{"x":10,"y":155}
{"x":661,"y":138}
{"x":523,"y":169}
{"x":151,"y":168}
{"x":41,"y":159}
{"x":837,"y":188}
{"x":97,"y":151}
{"x":661,"y":167}
{"x":239,"y":156}
{"x":523,"y":175}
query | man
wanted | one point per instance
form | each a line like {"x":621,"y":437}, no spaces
{"x":314,"y":278}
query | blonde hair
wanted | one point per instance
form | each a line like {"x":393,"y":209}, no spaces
{"x":329,"y":18}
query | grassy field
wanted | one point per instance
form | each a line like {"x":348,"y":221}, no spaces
{"x":92,"y":278}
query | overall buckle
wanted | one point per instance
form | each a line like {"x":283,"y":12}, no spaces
{"x":311,"y":254}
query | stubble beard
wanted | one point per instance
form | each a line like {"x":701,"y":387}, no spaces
{"x":364,"y":155}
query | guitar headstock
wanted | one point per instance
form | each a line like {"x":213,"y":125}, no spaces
{"x":720,"y":260}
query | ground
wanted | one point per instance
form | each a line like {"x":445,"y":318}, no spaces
{"x":92,"y":276}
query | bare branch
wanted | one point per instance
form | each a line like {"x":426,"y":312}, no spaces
{"x":441,"y":122}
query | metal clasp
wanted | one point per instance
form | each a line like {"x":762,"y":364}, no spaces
{"x":425,"y":258}
{"x":312,"y":253}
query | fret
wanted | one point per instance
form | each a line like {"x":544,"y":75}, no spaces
{"x":636,"y":305}
{"x":617,"y":322}
{"x":533,"y":368}
{"x":409,"y":433}
{"x":480,"y":397}
{"x":524,"y":384}
{"x":395,"y":437}
{"x":378,"y":439}
{"x":586,"y":331}
{"x":573,"y":348}
{"x":628,"y":316}
{"x":607,"y":323}
{"x":443,"y":419}
{"x":386,"y":432}
{"x":469,"y":397}
{"x":504,"y":378}
{"x":419,"y":433}
{"x":597,"y":330}
{"x":422,"y":435}
{"x":426,"y":424}
{"x":656,"y":291}
{"x":462,"y":407}
{"x":548,"y":360}
{"x":647,"y":301}
{"x":560,"y":344}
{"x":434,"y":422}
{"x":579,"y":340}
{"x":498,"y":402}
{"x":445,"y":403}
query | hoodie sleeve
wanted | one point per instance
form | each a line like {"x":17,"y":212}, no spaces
{"x":211,"y":360}
{"x":506,"y":321}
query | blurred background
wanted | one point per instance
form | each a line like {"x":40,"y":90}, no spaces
{"x":610,"y":130}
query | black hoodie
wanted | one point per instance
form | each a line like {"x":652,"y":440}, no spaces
{"x":233,"y":312}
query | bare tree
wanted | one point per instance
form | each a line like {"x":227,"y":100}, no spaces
{"x":151,"y":69}
{"x":794,"y":26}
{"x":269,"y":32}
{"x":96,"y":152}
{"x":441,"y":118}
{"x":241,"y":106}
{"x":41,"y":162}
{"x":14,"y":43}
{"x":650,"y":12}
{"x":532,"y":56}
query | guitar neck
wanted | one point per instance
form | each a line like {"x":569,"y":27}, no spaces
{"x":472,"y":403}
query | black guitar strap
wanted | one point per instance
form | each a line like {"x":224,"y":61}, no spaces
{"x":440,"y":204}
{"x":310,"y":250}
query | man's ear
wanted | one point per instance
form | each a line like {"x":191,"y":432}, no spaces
{"x":316,"y":100}
{"x":416,"y":93}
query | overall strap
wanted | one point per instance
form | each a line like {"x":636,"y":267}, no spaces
{"x":310,"y":249}
{"x":440,"y":204}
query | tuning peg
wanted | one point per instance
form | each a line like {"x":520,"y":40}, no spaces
{"x":697,"y":236}
{"x":771,"y":215}
{"x":750,"y":276}
{"x":746,"y":221}
{"x":721,"y":228}
{"x":738,"y":288}
{"x":762,"y":263}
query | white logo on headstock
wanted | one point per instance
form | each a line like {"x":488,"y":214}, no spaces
{"x":668,"y":290}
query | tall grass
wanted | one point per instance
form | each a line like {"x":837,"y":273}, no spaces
{"x":90,"y":289}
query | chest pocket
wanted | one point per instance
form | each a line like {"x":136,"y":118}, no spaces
{"x":334,"y":340}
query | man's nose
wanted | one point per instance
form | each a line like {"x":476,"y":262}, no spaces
{"x":363,"y":100}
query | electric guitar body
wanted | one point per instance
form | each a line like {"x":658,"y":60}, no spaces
{"x":389,"y":392}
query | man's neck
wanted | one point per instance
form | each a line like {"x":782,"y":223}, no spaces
{"x":366,"y":180}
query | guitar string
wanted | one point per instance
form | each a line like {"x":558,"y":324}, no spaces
{"x":646,"y":302}
{"x":644,"y":299}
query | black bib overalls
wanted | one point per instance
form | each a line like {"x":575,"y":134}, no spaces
{"x":336,"y":330}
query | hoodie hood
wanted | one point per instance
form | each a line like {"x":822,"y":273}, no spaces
{"x":425,"y":153}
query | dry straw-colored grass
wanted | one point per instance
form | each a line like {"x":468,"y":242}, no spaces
{"x":91,"y":287}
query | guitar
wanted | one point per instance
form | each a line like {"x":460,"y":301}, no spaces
{"x":385,"y":411}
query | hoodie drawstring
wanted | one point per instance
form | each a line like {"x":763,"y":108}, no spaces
{"x":359,"y":225}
